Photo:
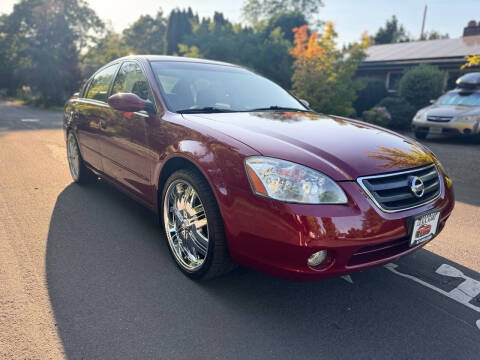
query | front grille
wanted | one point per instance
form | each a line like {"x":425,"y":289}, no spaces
{"x":439,"y":118}
{"x":392,"y":192}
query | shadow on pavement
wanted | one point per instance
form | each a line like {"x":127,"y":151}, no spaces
{"x":116,"y":293}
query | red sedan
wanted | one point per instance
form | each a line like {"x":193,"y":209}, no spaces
{"x":241,"y":172}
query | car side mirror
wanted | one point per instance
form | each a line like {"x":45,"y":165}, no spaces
{"x":150,"y":108}
{"x":305,"y":103}
{"x":129,"y":102}
{"x":432,"y":101}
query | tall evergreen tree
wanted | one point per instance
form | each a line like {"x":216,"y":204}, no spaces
{"x":219,"y":19}
{"x":393,"y":32}
{"x":179,"y":25}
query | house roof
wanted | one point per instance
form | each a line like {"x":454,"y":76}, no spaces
{"x":426,"y":49}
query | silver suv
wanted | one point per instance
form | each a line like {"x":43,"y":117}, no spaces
{"x":455,"y":113}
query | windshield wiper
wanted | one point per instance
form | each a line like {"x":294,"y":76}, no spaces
{"x":281,"y":108}
{"x":207,"y":109}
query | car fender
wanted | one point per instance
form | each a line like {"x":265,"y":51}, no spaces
{"x":222,"y":168}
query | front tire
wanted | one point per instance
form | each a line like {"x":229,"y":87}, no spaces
{"x":421,"y":134}
{"x":80,"y":173}
{"x":194,"y":227}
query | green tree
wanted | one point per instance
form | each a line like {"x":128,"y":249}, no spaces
{"x":189,"y":51}
{"x":179,"y":26}
{"x":147,"y":34}
{"x":104,"y":50}
{"x":219,"y":19}
{"x":434,"y":35}
{"x":266,"y":53}
{"x":393,"y":32}
{"x":255,"y":11}
{"x":420,"y":84}
{"x":286,"y":21}
{"x":274,"y":60}
{"x":45,"y":38}
{"x":12,"y":51}
{"x":323,"y":75}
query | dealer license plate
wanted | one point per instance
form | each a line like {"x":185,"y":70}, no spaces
{"x":435,"y":130}
{"x":424,"y":227}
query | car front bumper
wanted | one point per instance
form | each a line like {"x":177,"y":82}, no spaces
{"x":447,"y":128}
{"x":278,"y":238}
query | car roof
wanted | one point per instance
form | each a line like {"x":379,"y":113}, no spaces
{"x":152,"y":58}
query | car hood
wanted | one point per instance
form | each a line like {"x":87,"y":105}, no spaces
{"x":451,"y":110}
{"x":341,"y":148}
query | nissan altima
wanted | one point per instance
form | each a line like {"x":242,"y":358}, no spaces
{"x":241,"y":172}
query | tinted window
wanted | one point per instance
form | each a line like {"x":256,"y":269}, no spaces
{"x":189,"y":85}
{"x":99,"y":85}
{"x":458,"y":98}
{"x":130,"y":79}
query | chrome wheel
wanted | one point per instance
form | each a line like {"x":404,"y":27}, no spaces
{"x":73,"y":156}
{"x":185,"y":225}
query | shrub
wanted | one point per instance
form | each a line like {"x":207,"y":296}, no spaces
{"x":378,"y":115}
{"x":400,"y":110}
{"x":421,"y":84}
{"x":371,"y":91}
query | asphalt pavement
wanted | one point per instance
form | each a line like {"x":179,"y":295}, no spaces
{"x":85,"y":273}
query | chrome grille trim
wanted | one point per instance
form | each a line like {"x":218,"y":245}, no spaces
{"x":439,"y":118}
{"x":434,"y":174}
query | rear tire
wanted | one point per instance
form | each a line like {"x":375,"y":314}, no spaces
{"x":79,"y":172}
{"x":190,"y":215}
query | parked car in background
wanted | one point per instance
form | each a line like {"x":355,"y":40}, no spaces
{"x":455,"y":113}
{"x":240,"y":171}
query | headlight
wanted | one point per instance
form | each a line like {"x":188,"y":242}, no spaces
{"x":286,"y":181}
{"x":421,"y":115}
{"x":468,"y":119}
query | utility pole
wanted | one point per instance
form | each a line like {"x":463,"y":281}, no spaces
{"x":423,"y":22}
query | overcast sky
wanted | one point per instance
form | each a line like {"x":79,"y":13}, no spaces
{"x":351,"y":17}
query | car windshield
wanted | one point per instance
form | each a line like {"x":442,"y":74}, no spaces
{"x":200,"y":87}
{"x":458,"y":98}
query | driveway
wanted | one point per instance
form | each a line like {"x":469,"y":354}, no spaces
{"x":85,"y":274}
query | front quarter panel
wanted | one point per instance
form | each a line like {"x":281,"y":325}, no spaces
{"x":218,"y":157}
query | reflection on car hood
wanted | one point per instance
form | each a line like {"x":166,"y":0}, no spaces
{"x":342,"y":148}
{"x":452,"y":110}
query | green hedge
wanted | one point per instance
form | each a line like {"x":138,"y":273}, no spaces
{"x":372,"y":90}
{"x":421,"y":84}
{"x":377,"y":115}
{"x":400,"y":110}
